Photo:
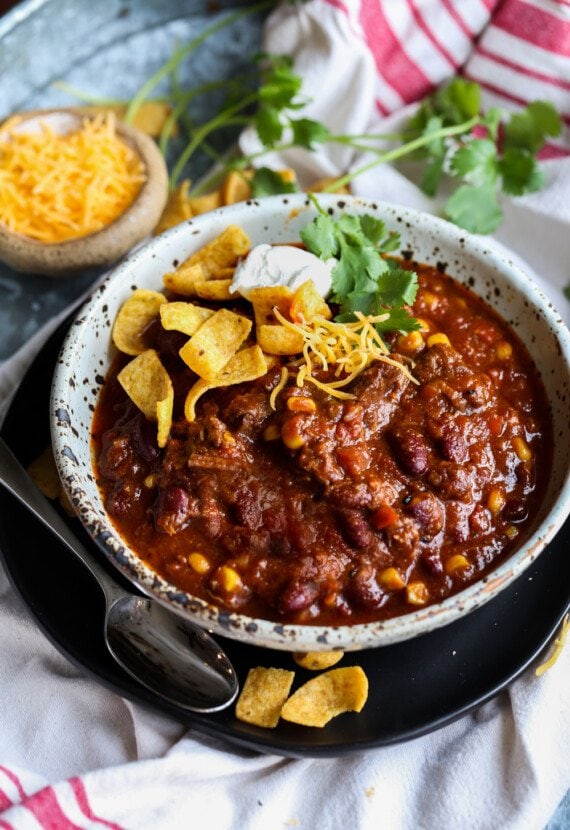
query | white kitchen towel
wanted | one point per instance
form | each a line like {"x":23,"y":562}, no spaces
{"x":74,"y":755}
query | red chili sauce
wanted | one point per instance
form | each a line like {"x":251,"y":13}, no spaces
{"x":336,"y":512}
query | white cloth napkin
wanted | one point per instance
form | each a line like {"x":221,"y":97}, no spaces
{"x":74,"y":755}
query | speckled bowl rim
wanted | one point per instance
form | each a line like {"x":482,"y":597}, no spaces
{"x":262,"y":632}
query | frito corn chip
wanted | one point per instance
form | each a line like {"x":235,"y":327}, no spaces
{"x":268,"y":297}
{"x":148,"y":385}
{"x":221,"y":252}
{"x":134,"y":316}
{"x":246,"y":365}
{"x":215,"y":342}
{"x":236,"y":186}
{"x":203,"y":204}
{"x":307,"y":304}
{"x":320,"y":184}
{"x":213,"y":289}
{"x":177,"y":208}
{"x":184,"y":317}
{"x":326,"y":696}
{"x":317,"y":660}
{"x":183,"y":280}
{"x":44,"y":473}
{"x":279,"y":340}
{"x":263,"y":695}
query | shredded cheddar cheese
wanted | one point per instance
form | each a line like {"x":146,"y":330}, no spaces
{"x":281,"y":385}
{"x":350,"y":347}
{"x":57,"y":187}
{"x":559,"y":644}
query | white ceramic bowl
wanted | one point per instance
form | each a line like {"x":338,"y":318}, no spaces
{"x":87,"y":352}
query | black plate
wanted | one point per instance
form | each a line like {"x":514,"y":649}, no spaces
{"x":415,"y":687}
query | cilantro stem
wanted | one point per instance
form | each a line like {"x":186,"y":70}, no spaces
{"x":223,"y":119}
{"x":177,"y":111}
{"x":403,"y":150}
{"x":173,"y":62}
{"x":88,"y":98}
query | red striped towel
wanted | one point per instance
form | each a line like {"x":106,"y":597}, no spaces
{"x":366,"y":64}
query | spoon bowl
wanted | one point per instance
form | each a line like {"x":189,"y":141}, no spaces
{"x":175,"y":659}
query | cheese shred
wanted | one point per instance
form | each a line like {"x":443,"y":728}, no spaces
{"x":349,"y":347}
{"x":57,"y":187}
{"x":281,"y":385}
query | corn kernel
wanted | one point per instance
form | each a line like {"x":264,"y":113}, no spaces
{"x":456,"y":562}
{"x":230,"y":580}
{"x":511,"y":531}
{"x":297,"y":403}
{"x":228,"y":439}
{"x":496,"y":501}
{"x":149,"y":482}
{"x":424,"y":325}
{"x":438,"y":337}
{"x":271,"y":433}
{"x":521,"y":448}
{"x":429,"y":299}
{"x":410,"y":343}
{"x":503,"y":350}
{"x":199,"y":563}
{"x":391,"y":579}
{"x":417,"y":593}
{"x":291,"y":436}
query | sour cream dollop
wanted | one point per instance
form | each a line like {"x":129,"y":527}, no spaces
{"x":269,"y":265}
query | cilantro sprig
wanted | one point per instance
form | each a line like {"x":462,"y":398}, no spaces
{"x":480,"y":155}
{"x":364,"y":279}
{"x":492,"y":156}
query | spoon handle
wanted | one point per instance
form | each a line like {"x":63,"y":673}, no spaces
{"x":16,"y":480}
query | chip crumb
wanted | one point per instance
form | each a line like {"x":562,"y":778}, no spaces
{"x":264,"y":692}
{"x":370,"y":792}
{"x":317,"y":660}
{"x":292,"y":822}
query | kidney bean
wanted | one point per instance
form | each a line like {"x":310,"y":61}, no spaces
{"x":144,"y":438}
{"x":426,"y":509}
{"x":515,"y":510}
{"x":298,"y":596}
{"x":363,"y":590}
{"x":355,"y":528}
{"x":171,"y":511}
{"x":412,"y":450}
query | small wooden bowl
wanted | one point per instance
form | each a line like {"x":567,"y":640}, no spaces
{"x":104,"y":247}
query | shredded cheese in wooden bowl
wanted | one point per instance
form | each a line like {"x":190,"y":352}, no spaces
{"x":55,"y":187}
{"x":75,"y":191}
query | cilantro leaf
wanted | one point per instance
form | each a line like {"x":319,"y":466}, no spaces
{"x":320,"y":238}
{"x":363,"y":278}
{"x":476,"y":161}
{"x":308,"y":133}
{"x":397,"y":287}
{"x":458,"y":101}
{"x":267,"y":182}
{"x":475,"y":208}
{"x":400,"y":319}
{"x":520,"y":172}
{"x":268,"y":125}
{"x":528,"y":130}
{"x":432,"y":176}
